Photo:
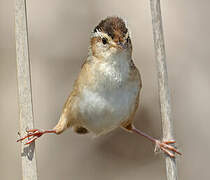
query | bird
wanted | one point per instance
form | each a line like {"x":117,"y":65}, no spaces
{"x":106,"y":93}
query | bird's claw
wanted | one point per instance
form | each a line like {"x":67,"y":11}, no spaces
{"x":32,"y":135}
{"x":166,"y":147}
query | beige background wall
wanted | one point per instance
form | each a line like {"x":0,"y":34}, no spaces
{"x":59,"y":36}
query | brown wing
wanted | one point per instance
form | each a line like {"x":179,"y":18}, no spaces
{"x":135,"y":74}
{"x":70,"y":115}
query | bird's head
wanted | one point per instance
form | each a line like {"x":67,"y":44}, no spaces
{"x":109,"y":38}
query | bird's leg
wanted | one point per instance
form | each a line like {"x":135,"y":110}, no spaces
{"x":33,"y":134}
{"x":163,"y":145}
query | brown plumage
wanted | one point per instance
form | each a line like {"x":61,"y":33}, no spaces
{"x":113,"y":26}
{"x":106,"y":93}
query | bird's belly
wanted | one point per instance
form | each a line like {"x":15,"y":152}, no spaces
{"x":103,"y":110}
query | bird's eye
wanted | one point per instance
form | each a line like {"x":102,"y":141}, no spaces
{"x":104,"y":40}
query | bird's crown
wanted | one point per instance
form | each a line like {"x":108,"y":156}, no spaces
{"x":114,"y":27}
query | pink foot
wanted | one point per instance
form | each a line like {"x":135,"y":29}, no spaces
{"x":167,"y":148}
{"x":164,"y":146}
{"x":34,"y":134}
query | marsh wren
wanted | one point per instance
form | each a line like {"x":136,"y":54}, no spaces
{"x":105,"y":95}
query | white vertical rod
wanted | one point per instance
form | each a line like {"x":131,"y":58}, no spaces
{"x":164,"y":94}
{"x":28,"y":156}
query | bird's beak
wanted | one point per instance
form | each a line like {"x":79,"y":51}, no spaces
{"x":122,"y":45}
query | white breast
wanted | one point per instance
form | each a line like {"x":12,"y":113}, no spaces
{"x":110,"y":102}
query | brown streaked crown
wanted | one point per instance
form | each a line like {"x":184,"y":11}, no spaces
{"x":114,"y":27}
